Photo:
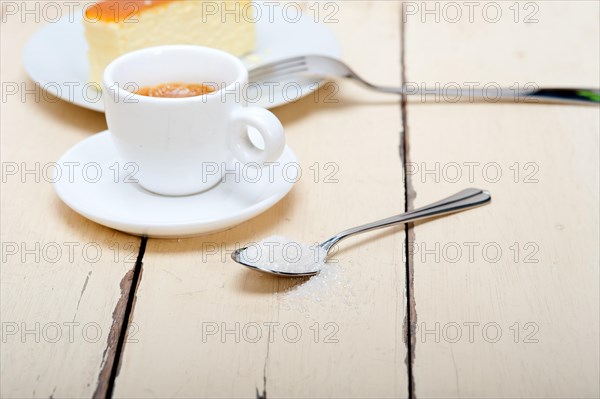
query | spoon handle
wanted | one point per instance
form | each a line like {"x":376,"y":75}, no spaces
{"x":463,"y":200}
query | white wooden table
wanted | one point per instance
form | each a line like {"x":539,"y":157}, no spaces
{"x":498,"y":302}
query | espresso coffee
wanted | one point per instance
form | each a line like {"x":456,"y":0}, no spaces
{"x":175,"y":90}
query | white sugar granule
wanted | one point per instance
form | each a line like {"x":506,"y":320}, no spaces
{"x":317,"y":288}
{"x":281,"y":254}
{"x":330,"y":287}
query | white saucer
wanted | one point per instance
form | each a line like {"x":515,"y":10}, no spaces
{"x":56,"y":58}
{"x":126,"y":206}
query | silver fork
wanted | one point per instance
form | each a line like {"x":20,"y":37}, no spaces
{"x":323,"y":66}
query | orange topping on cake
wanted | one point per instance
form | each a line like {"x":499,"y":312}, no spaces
{"x":120,"y":10}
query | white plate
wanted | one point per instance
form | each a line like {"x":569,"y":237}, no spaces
{"x":93,"y":181}
{"x":56,"y":58}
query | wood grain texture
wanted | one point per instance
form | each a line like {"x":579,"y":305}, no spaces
{"x":60,"y":274}
{"x":541,"y":292}
{"x":190,"y":284}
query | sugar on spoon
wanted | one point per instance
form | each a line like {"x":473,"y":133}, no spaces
{"x":463,"y":200}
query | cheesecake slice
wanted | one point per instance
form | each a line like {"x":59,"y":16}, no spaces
{"x":115,"y":27}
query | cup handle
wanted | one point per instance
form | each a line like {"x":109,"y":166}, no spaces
{"x":269,"y":128}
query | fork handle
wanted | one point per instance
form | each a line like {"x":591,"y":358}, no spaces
{"x":573,"y":95}
{"x":460,"y":201}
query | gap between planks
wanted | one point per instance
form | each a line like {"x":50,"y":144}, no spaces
{"x":409,"y":195}
{"x":115,"y":345}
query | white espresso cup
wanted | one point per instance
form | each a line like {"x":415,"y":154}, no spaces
{"x":176,"y":143}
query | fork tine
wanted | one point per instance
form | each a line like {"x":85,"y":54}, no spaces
{"x":277,"y":67}
{"x":280,"y":63}
{"x":279,"y":74}
{"x":275,"y":70}
{"x":284,"y":71}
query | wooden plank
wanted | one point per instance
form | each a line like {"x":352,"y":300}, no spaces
{"x":187,"y":287}
{"x":541,"y":293}
{"x":64,"y":280}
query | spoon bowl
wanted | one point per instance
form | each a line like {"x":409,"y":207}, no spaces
{"x":237,"y":256}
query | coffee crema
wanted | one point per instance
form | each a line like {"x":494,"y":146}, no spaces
{"x":175,"y":90}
